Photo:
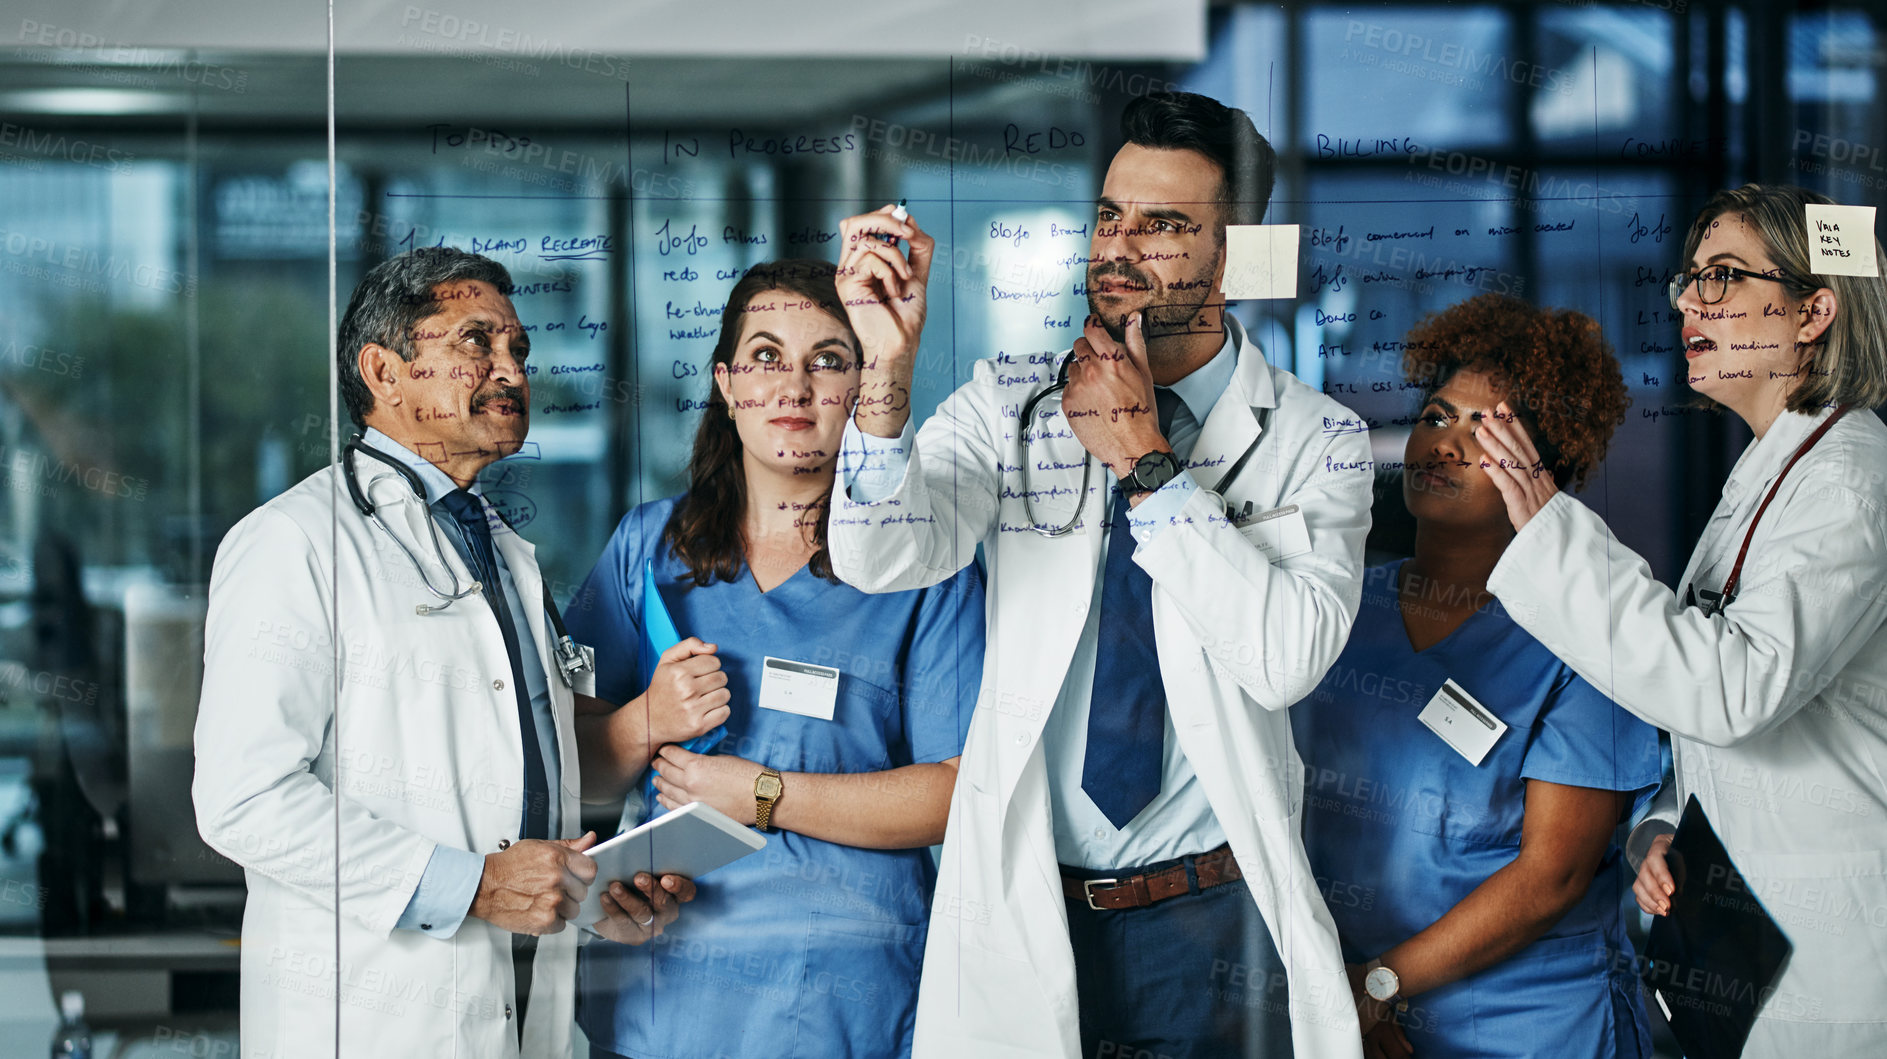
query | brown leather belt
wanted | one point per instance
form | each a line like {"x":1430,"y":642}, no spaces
{"x":1214,"y":868}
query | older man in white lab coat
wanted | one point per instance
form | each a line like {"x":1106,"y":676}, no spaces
{"x":1123,"y":874}
{"x":397,"y":776}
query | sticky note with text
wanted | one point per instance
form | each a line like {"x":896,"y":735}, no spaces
{"x":1841,"y":240}
{"x":1261,"y":261}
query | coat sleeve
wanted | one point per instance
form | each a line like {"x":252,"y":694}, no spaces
{"x":1811,"y":596}
{"x":929,"y":527}
{"x":1275,"y":627}
{"x":266,"y":715}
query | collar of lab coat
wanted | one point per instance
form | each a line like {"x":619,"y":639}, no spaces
{"x":1252,"y":372}
{"x":1231,"y":426}
{"x":438,"y":483}
{"x":1767,"y":455}
{"x":412,"y":517}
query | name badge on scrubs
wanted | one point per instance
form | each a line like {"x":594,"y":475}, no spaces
{"x":799,"y":687}
{"x":1462,"y":722}
{"x":1279,"y":533}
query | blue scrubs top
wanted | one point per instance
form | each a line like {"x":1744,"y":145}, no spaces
{"x":806,"y":948}
{"x":1399,"y":827}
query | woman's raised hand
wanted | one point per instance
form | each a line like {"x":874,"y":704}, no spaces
{"x":1524,"y":480}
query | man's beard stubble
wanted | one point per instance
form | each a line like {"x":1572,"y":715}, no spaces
{"x":1169,"y":313}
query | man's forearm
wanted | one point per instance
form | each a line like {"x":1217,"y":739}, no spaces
{"x":884,"y":399}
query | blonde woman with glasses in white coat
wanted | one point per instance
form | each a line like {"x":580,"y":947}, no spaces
{"x":1768,"y":665}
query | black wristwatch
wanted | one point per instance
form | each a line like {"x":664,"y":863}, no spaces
{"x":1150,"y":472}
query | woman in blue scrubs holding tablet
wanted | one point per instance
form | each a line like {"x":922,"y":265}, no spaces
{"x":841,"y":716}
{"x":1462,"y":785}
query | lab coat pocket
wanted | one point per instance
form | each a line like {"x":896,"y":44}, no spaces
{"x":859,"y":993}
{"x":1803,"y":864}
{"x":1832,"y":906}
{"x":1819,"y":889}
{"x":1280,"y":533}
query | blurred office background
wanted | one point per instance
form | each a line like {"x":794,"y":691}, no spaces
{"x":165,"y":297}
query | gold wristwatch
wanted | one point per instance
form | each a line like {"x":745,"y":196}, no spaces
{"x":767,"y":789}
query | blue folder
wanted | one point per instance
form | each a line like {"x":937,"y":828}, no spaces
{"x":658,"y":635}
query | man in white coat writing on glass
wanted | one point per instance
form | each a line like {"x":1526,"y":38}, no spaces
{"x":1175,"y":545}
{"x":385,"y":738}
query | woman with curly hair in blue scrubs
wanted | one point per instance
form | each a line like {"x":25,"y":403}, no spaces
{"x":1462,"y":785}
{"x":810,"y":947}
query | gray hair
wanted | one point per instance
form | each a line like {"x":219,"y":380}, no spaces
{"x":1849,"y":363}
{"x":391,"y":300}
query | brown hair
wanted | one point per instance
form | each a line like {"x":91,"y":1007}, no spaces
{"x":1560,"y":376}
{"x":705,"y":530}
{"x":1850,"y":357}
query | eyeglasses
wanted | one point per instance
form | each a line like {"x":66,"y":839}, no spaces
{"x":1713,"y":282}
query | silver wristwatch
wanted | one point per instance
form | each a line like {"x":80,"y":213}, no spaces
{"x":1382,"y":984}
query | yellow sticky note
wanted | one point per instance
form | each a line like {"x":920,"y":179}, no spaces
{"x":1841,"y":240}
{"x":1260,"y":261}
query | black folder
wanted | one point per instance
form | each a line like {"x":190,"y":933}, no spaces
{"x":1710,"y":961}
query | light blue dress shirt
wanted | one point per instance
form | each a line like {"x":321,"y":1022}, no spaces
{"x":1179,"y":820}
{"x":451,"y":877}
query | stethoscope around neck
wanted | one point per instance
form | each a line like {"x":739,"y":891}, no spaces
{"x":1712,"y":603}
{"x":572,"y":657}
{"x":1027,"y":419}
{"x":363,"y":499}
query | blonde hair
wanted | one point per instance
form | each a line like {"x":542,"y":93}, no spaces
{"x":1850,"y":357}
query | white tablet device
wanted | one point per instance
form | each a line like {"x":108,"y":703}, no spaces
{"x":692,"y":841}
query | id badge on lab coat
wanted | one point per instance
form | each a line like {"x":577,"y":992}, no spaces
{"x":799,"y":687}
{"x":1279,"y":533}
{"x":1462,"y":722}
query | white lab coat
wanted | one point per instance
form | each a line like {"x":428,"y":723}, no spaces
{"x":1240,"y":639}
{"x":1777,"y":706}
{"x":419,"y":736}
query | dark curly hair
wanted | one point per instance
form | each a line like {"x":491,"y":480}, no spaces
{"x":1559,"y":374}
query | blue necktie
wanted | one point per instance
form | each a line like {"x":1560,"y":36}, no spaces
{"x":1127,"y":711}
{"x":470,"y":515}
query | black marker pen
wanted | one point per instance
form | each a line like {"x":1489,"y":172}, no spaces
{"x":900,"y":214}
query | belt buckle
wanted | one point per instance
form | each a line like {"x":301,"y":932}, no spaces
{"x":1087,"y":890}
